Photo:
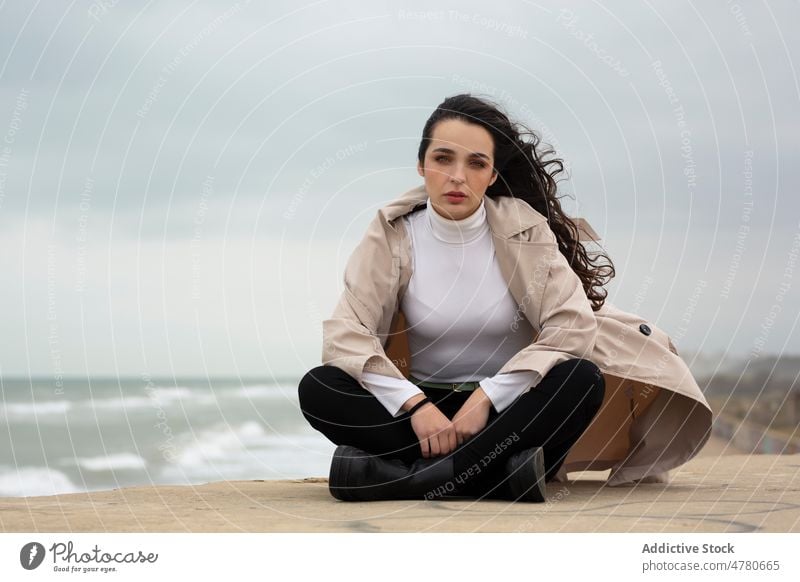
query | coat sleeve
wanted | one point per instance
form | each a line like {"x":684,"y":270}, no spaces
{"x":390,"y":392}
{"x":565,"y":320}
{"x":354,"y":335}
{"x":503,"y":389}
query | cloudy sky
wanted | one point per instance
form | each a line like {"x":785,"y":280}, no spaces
{"x":182,"y":183}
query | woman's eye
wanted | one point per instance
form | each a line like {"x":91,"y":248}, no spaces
{"x":444,"y":159}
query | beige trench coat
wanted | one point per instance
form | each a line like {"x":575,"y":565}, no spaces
{"x":654,"y":416}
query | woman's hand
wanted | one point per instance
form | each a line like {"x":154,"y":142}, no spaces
{"x":435,"y":432}
{"x":472,"y":416}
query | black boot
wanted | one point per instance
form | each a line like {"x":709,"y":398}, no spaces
{"x":358,"y":476}
{"x":525,"y":474}
{"x":520,"y":479}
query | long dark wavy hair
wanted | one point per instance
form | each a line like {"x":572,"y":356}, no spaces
{"x":527,"y":170}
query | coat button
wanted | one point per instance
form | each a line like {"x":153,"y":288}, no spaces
{"x":645,"y":329}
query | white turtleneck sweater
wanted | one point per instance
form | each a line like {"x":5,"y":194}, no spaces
{"x":459,"y":313}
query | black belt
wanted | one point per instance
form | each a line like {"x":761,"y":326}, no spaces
{"x":454,"y":386}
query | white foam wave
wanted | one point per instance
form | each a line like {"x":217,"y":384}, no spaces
{"x":152,"y":397}
{"x":114,"y":462}
{"x":117,"y":403}
{"x":48,"y":407}
{"x":276,"y":457}
{"x":271,"y":392}
{"x":218,"y":442}
{"x":155,"y":398}
{"x":247,"y":451}
{"x":34,"y":481}
{"x":133,"y":402}
{"x":173,"y":392}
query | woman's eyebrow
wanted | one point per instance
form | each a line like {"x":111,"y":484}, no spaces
{"x":473,"y":154}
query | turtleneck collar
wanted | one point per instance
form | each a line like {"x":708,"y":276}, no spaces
{"x":457,"y":231}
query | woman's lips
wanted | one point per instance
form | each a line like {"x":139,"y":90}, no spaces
{"x":455,"y":197}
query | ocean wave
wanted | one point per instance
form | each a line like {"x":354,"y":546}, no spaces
{"x":47,"y":407}
{"x":269,"y":392}
{"x":218,"y":442}
{"x":61,"y":407}
{"x":115,"y":462}
{"x":152,"y":398}
{"x":133,"y":402}
{"x":246,"y":452}
{"x":155,"y":398}
{"x":34,"y":481}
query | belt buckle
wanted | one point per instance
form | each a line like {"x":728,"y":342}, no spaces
{"x":456,"y":387}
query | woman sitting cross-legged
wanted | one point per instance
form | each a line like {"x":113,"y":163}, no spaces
{"x":476,"y":260}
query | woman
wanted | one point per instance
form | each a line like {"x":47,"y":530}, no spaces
{"x":485,"y":279}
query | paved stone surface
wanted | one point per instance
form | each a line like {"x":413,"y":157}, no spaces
{"x":715,"y":492}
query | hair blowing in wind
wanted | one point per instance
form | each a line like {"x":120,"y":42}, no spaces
{"x":527,"y":170}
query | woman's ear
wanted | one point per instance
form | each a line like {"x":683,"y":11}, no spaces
{"x":420,"y":169}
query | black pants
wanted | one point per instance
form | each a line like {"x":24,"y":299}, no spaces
{"x":552,"y":415}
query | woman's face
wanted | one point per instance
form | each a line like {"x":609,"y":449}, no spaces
{"x":459,"y":158}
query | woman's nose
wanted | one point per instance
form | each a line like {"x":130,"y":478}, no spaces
{"x":459,"y":174}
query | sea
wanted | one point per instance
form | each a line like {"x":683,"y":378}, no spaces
{"x":76,"y":435}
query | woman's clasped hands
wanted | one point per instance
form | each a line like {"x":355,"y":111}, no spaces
{"x":438,"y":435}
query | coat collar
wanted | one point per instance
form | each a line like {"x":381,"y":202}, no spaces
{"x":506,"y":216}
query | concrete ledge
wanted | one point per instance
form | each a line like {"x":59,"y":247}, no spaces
{"x":719,"y":493}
